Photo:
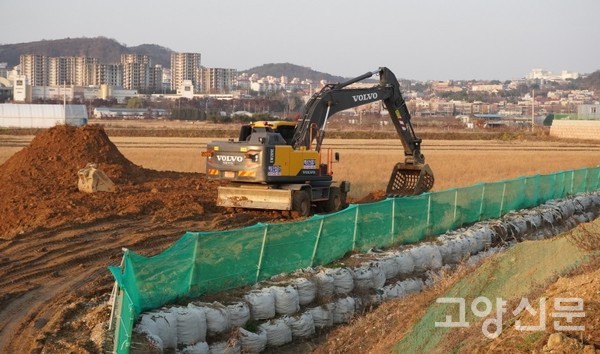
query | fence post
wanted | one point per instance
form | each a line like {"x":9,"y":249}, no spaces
{"x":502,"y":200}
{"x":114,"y":292}
{"x":355,"y":228}
{"x":393,"y":221}
{"x":193,"y":271}
{"x":572,"y":180}
{"x":428,"y":215}
{"x":312,"y":260}
{"x":481,"y":206}
{"x":455,"y":207}
{"x":262,"y":251}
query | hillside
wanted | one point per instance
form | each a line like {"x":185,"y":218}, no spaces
{"x":107,"y":50}
{"x":590,"y":82}
{"x":291,"y":71}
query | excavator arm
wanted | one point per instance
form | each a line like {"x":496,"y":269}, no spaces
{"x":408,"y":178}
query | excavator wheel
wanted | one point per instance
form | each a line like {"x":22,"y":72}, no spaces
{"x":301,"y":203}
{"x":410,"y":179}
{"x":335,"y":202}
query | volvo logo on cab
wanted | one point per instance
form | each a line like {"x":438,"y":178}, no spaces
{"x":229,"y":159}
{"x":365,"y":97}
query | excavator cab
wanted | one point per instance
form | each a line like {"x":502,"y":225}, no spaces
{"x":409,"y":179}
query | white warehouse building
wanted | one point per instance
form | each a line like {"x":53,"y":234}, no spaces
{"x":42,"y":115}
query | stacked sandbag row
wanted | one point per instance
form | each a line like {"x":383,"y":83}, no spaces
{"x":343,"y":291}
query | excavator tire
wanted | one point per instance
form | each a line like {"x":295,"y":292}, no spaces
{"x":410,"y":179}
{"x":334,"y":203}
{"x":301,"y":203}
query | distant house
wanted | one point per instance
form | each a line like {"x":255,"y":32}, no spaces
{"x":588,"y":111}
{"x":109,"y":112}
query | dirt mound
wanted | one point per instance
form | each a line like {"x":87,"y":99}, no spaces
{"x":38,"y":185}
{"x":372,"y":197}
{"x":54,"y":157}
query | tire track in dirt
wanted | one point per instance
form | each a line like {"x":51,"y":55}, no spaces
{"x":43,"y":289}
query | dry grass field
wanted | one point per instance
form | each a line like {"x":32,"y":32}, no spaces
{"x":367,"y":164}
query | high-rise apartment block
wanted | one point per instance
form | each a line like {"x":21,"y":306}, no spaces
{"x":217,"y":80}
{"x":36,"y":69}
{"x":134,"y":72}
{"x":185,"y":66}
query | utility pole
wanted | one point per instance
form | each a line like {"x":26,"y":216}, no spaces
{"x":532,"y":109}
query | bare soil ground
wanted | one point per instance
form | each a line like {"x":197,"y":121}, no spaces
{"x":56,"y":242}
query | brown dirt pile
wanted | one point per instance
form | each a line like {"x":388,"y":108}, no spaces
{"x":38,"y":185}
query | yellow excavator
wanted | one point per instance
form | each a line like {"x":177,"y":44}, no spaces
{"x":279,"y":165}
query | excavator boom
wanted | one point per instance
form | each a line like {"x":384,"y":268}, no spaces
{"x":410,"y":177}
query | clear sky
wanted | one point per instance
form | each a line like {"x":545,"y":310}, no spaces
{"x":417,"y":39}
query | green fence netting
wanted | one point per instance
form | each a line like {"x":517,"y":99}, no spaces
{"x":208,"y":262}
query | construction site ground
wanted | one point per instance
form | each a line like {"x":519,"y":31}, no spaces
{"x":56,"y":242}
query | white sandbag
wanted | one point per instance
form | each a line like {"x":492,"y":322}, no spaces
{"x":322,"y":315}
{"x":394,"y":291}
{"x":286,"y":299}
{"x":451,"y":251}
{"x":149,"y":329}
{"x":420,"y":259}
{"x":253,"y":342}
{"x":405,"y":262}
{"x":520,"y":226}
{"x":342,"y":280}
{"x":464,"y":248}
{"x":262,"y":304}
{"x":146,"y":324}
{"x":302,"y":326}
{"x":389,"y":266}
{"x":191,"y":325}
{"x":325,"y":284}
{"x":378,"y":275}
{"x":368,"y":276}
{"x":548,"y":216}
{"x":426,"y":257}
{"x":217,"y":318}
{"x":412,"y":286}
{"x":239,"y":314}
{"x":278,"y":332}
{"x":225,"y":348}
{"x":198,"y":348}
{"x":343,"y":310}
{"x":166,"y":322}
{"x":567,"y":208}
{"x":307,"y":290}
{"x":535,"y":219}
{"x":363,"y":278}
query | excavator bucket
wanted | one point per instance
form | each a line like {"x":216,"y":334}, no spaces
{"x":410,"y":179}
{"x":93,"y":180}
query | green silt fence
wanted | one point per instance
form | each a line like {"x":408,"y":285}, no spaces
{"x":200,"y":263}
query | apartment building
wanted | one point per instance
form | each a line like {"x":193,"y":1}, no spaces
{"x":35,"y":68}
{"x":136,"y":71}
{"x":108,"y":74}
{"x":217,"y":80}
{"x":78,"y":71}
{"x":185,"y":66}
